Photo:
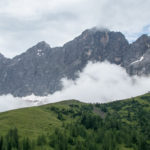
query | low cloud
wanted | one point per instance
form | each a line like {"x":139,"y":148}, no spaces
{"x":98,"y":82}
{"x":103,"y":82}
{"x":8,"y":102}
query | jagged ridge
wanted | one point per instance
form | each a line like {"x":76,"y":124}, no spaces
{"x":41,"y":67}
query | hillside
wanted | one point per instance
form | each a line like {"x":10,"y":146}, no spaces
{"x":73,"y":125}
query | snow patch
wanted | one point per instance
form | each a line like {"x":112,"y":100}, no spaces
{"x":139,"y":60}
{"x":40,"y":52}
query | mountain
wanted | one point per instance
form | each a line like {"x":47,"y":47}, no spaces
{"x":139,"y":56}
{"x":73,"y":125}
{"x":40,"y":69}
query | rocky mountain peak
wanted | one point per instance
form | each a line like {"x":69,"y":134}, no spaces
{"x":42,"y":44}
{"x":39,"y":49}
{"x":103,"y":35}
{"x":40,"y":69}
{"x":143,"y":38}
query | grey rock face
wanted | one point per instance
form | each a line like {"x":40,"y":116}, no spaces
{"x":40,"y":69}
{"x":137,"y":58}
{"x":141,"y":66}
{"x":137,"y":49}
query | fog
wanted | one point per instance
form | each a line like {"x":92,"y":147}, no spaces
{"x":98,"y":82}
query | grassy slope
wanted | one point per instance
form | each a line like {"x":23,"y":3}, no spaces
{"x":34,"y":121}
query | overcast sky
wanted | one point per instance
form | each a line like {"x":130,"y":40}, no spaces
{"x":23,"y":23}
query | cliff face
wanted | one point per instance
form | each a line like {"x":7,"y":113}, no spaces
{"x":139,"y":58}
{"x":40,"y":69}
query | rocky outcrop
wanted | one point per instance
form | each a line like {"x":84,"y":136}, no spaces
{"x":137,"y":57}
{"x":141,"y":66}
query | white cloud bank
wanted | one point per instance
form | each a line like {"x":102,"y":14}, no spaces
{"x":99,"y":82}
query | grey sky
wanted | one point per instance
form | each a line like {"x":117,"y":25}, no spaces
{"x":23,"y":23}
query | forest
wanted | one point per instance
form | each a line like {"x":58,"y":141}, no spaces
{"x":119,"y":125}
